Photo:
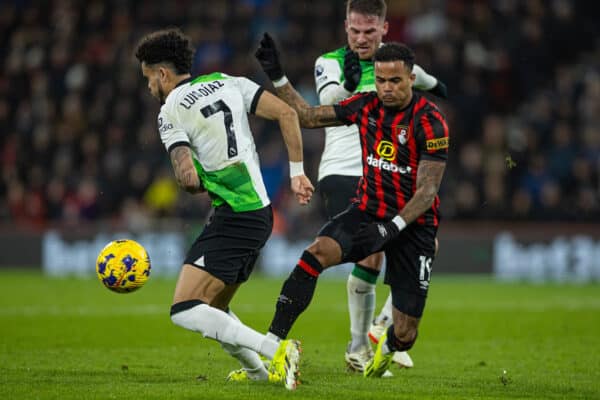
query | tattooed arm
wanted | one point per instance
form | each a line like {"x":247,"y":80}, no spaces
{"x":429,"y":177}
{"x":185,"y":172}
{"x":310,"y":117}
{"x":374,"y":236}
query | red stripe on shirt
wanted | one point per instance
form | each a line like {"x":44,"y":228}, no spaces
{"x":413,"y":156}
{"x":396,"y":178}
{"x":364,"y":130}
{"x":420,"y":104}
{"x":381,"y":206}
{"x":429,"y":134}
{"x":441,"y":119}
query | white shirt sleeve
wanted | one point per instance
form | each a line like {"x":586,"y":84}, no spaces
{"x":327,"y":81}
{"x":170,"y":133}
{"x":249,"y":89}
{"x":333,"y":94}
{"x":423,"y":80}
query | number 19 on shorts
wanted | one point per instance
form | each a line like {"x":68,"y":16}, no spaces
{"x":424,"y":272}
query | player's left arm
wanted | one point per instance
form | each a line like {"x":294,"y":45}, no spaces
{"x":432,"y":137}
{"x":429,"y":178}
{"x":374,"y":236}
{"x":273,"y":108}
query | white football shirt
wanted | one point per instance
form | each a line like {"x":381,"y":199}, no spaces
{"x":209,"y":113}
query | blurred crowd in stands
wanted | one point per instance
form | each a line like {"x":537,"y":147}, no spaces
{"x":79,"y":140}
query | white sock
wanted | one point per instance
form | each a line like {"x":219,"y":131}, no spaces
{"x":216,"y":324}
{"x":250,"y":360}
{"x":361,"y":305}
{"x":273,"y":336}
{"x":386,"y":312}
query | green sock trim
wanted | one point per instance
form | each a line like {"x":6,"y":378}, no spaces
{"x":366,"y":274}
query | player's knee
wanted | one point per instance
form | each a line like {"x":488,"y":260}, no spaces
{"x":373,"y":262}
{"x":326,"y":250}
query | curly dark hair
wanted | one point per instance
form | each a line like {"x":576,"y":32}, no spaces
{"x":394,"y":51}
{"x":166,"y":46}
{"x":367,"y":7}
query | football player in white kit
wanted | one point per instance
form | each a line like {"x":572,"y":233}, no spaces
{"x":203,"y":123}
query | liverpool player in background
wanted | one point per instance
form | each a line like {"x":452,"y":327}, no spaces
{"x":339,"y":74}
{"x":404,"y":143}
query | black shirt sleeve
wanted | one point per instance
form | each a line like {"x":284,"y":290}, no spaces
{"x":349,"y":109}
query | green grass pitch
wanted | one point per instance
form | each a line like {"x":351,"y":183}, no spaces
{"x":74,"y":339}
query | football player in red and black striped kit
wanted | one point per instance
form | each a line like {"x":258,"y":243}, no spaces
{"x":404,"y":140}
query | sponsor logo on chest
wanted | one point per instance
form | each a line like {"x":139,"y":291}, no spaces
{"x":379,"y":163}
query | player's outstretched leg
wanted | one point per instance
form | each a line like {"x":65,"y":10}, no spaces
{"x":361,"y":305}
{"x":285,"y":363}
{"x":388,"y":344}
{"x":253,"y":367}
{"x":216,"y":324}
{"x":376,"y":366}
{"x":380,"y":324}
{"x":296,"y":293}
{"x":245,"y":374}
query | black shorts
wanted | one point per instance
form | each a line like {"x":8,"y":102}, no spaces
{"x":230,"y":243}
{"x":408,"y":257}
{"x":336,"y":192}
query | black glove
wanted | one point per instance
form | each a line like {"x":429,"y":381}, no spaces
{"x":440,"y":90}
{"x":374,"y":236}
{"x":268,"y":57}
{"x":352,"y":70}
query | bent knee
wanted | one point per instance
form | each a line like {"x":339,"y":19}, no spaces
{"x":326,"y":250}
{"x":374,"y":261}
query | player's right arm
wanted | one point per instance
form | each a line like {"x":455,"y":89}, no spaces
{"x":185,"y":171}
{"x":310,"y":117}
{"x":177,"y":144}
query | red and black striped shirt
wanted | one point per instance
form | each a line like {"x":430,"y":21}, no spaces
{"x":393,"y":142}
